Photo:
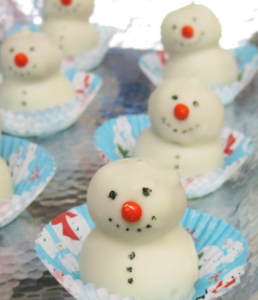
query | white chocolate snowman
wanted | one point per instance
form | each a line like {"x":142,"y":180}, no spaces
{"x":67,"y":23}
{"x":138,"y":247}
{"x":191,"y":36}
{"x":6,"y":188}
{"x":186,"y":118}
{"x":30,"y":63}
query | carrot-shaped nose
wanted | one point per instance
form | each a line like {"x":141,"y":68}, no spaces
{"x":21,"y":60}
{"x":187,"y":32}
{"x":131,"y":212}
{"x":181,"y":112}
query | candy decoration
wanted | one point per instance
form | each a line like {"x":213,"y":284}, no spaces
{"x":131,"y":212}
{"x":21,"y":60}
{"x":187,"y":32}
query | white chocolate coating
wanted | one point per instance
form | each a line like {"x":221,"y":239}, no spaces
{"x":159,"y":244}
{"x":38,"y":83}
{"x":191,"y":146}
{"x":67,"y":23}
{"x":191,"y":161}
{"x":196,"y":53}
{"x":6,"y":188}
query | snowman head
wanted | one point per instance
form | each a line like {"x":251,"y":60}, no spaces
{"x":28,"y":56}
{"x":136,"y":199}
{"x":69,"y":9}
{"x":190,"y":28}
{"x":186,"y":112}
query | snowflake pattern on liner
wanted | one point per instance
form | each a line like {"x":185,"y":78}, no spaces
{"x":116,"y":139}
{"x":221,"y":249}
{"x":152,"y":65}
{"x":31,"y":169}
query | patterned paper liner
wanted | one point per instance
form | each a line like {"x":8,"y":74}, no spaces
{"x":116,"y":139}
{"x":53,"y":120}
{"x":152,"y":64}
{"x":222,"y":253}
{"x":88,"y":60}
{"x":31,"y":168}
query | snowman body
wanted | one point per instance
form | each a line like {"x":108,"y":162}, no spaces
{"x":31,"y":63}
{"x":67,"y":23}
{"x":191,"y":37}
{"x":137,"y":247}
{"x":187,"y":161}
{"x":186,"y":118}
{"x":158,"y":269}
{"x":6,"y":189}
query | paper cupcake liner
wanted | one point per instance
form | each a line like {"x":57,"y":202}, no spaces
{"x":31,"y":169}
{"x":116,"y":139}
{"x":88,"y":60}
{"x":221,"y":249}
{"x":52,"y":120}
{"x":152,"y":64}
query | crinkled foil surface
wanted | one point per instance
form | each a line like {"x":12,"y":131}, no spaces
{"x":126,"y":90}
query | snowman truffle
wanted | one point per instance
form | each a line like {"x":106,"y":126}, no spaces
{"x":191,"y":36}
{"x":186,"y":118}
{"x":67,"y":23}
{"x":138,"y":247}
{"x":30,"y":63}
{"x":6,"y":189}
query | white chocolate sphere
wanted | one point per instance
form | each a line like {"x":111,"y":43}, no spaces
{"x":138,"y":255}
{"x":186,"y":118}
{"x":6,"y":188}
{"x":39,"y":57}
{"x":67,"y":23}
{"x":191,"y":35}
{"x":30,"y":63}
{"x":198,"y":159}
{"x":205,"y":112}
{"x":190,"y":28}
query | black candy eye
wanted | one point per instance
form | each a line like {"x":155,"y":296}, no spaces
{"x":174,"y":27}
{"x":195,"y":103}
{"x":12,"y":49}
{"x":174,"y":97}
{"x":32,"y":48}
{"x":112,"y":195}
{"x":146,"y":191}
{"x":194,"y":19}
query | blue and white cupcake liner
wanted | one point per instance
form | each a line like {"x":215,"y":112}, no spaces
{"x":222,"y":253}
{"x":89,"y":59}
{"x":52,"y":120}
{"x":31,"y":169}
{"x":116,"y":139}
{"x":152,"y":64}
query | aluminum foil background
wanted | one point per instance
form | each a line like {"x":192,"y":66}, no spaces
{"x":126,"y":90}
{"x":139,"y":20}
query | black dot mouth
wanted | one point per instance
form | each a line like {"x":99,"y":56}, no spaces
{"x":184,"y":44}
{"x":184,"y":131}
{"x":127,"y":229}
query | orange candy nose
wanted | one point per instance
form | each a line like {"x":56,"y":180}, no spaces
{"x":131,"y":212}
{"x":181,"y":112}
{"x":21,"y":60}
{"x":66,"y":2}
{"x":187,"y":32}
